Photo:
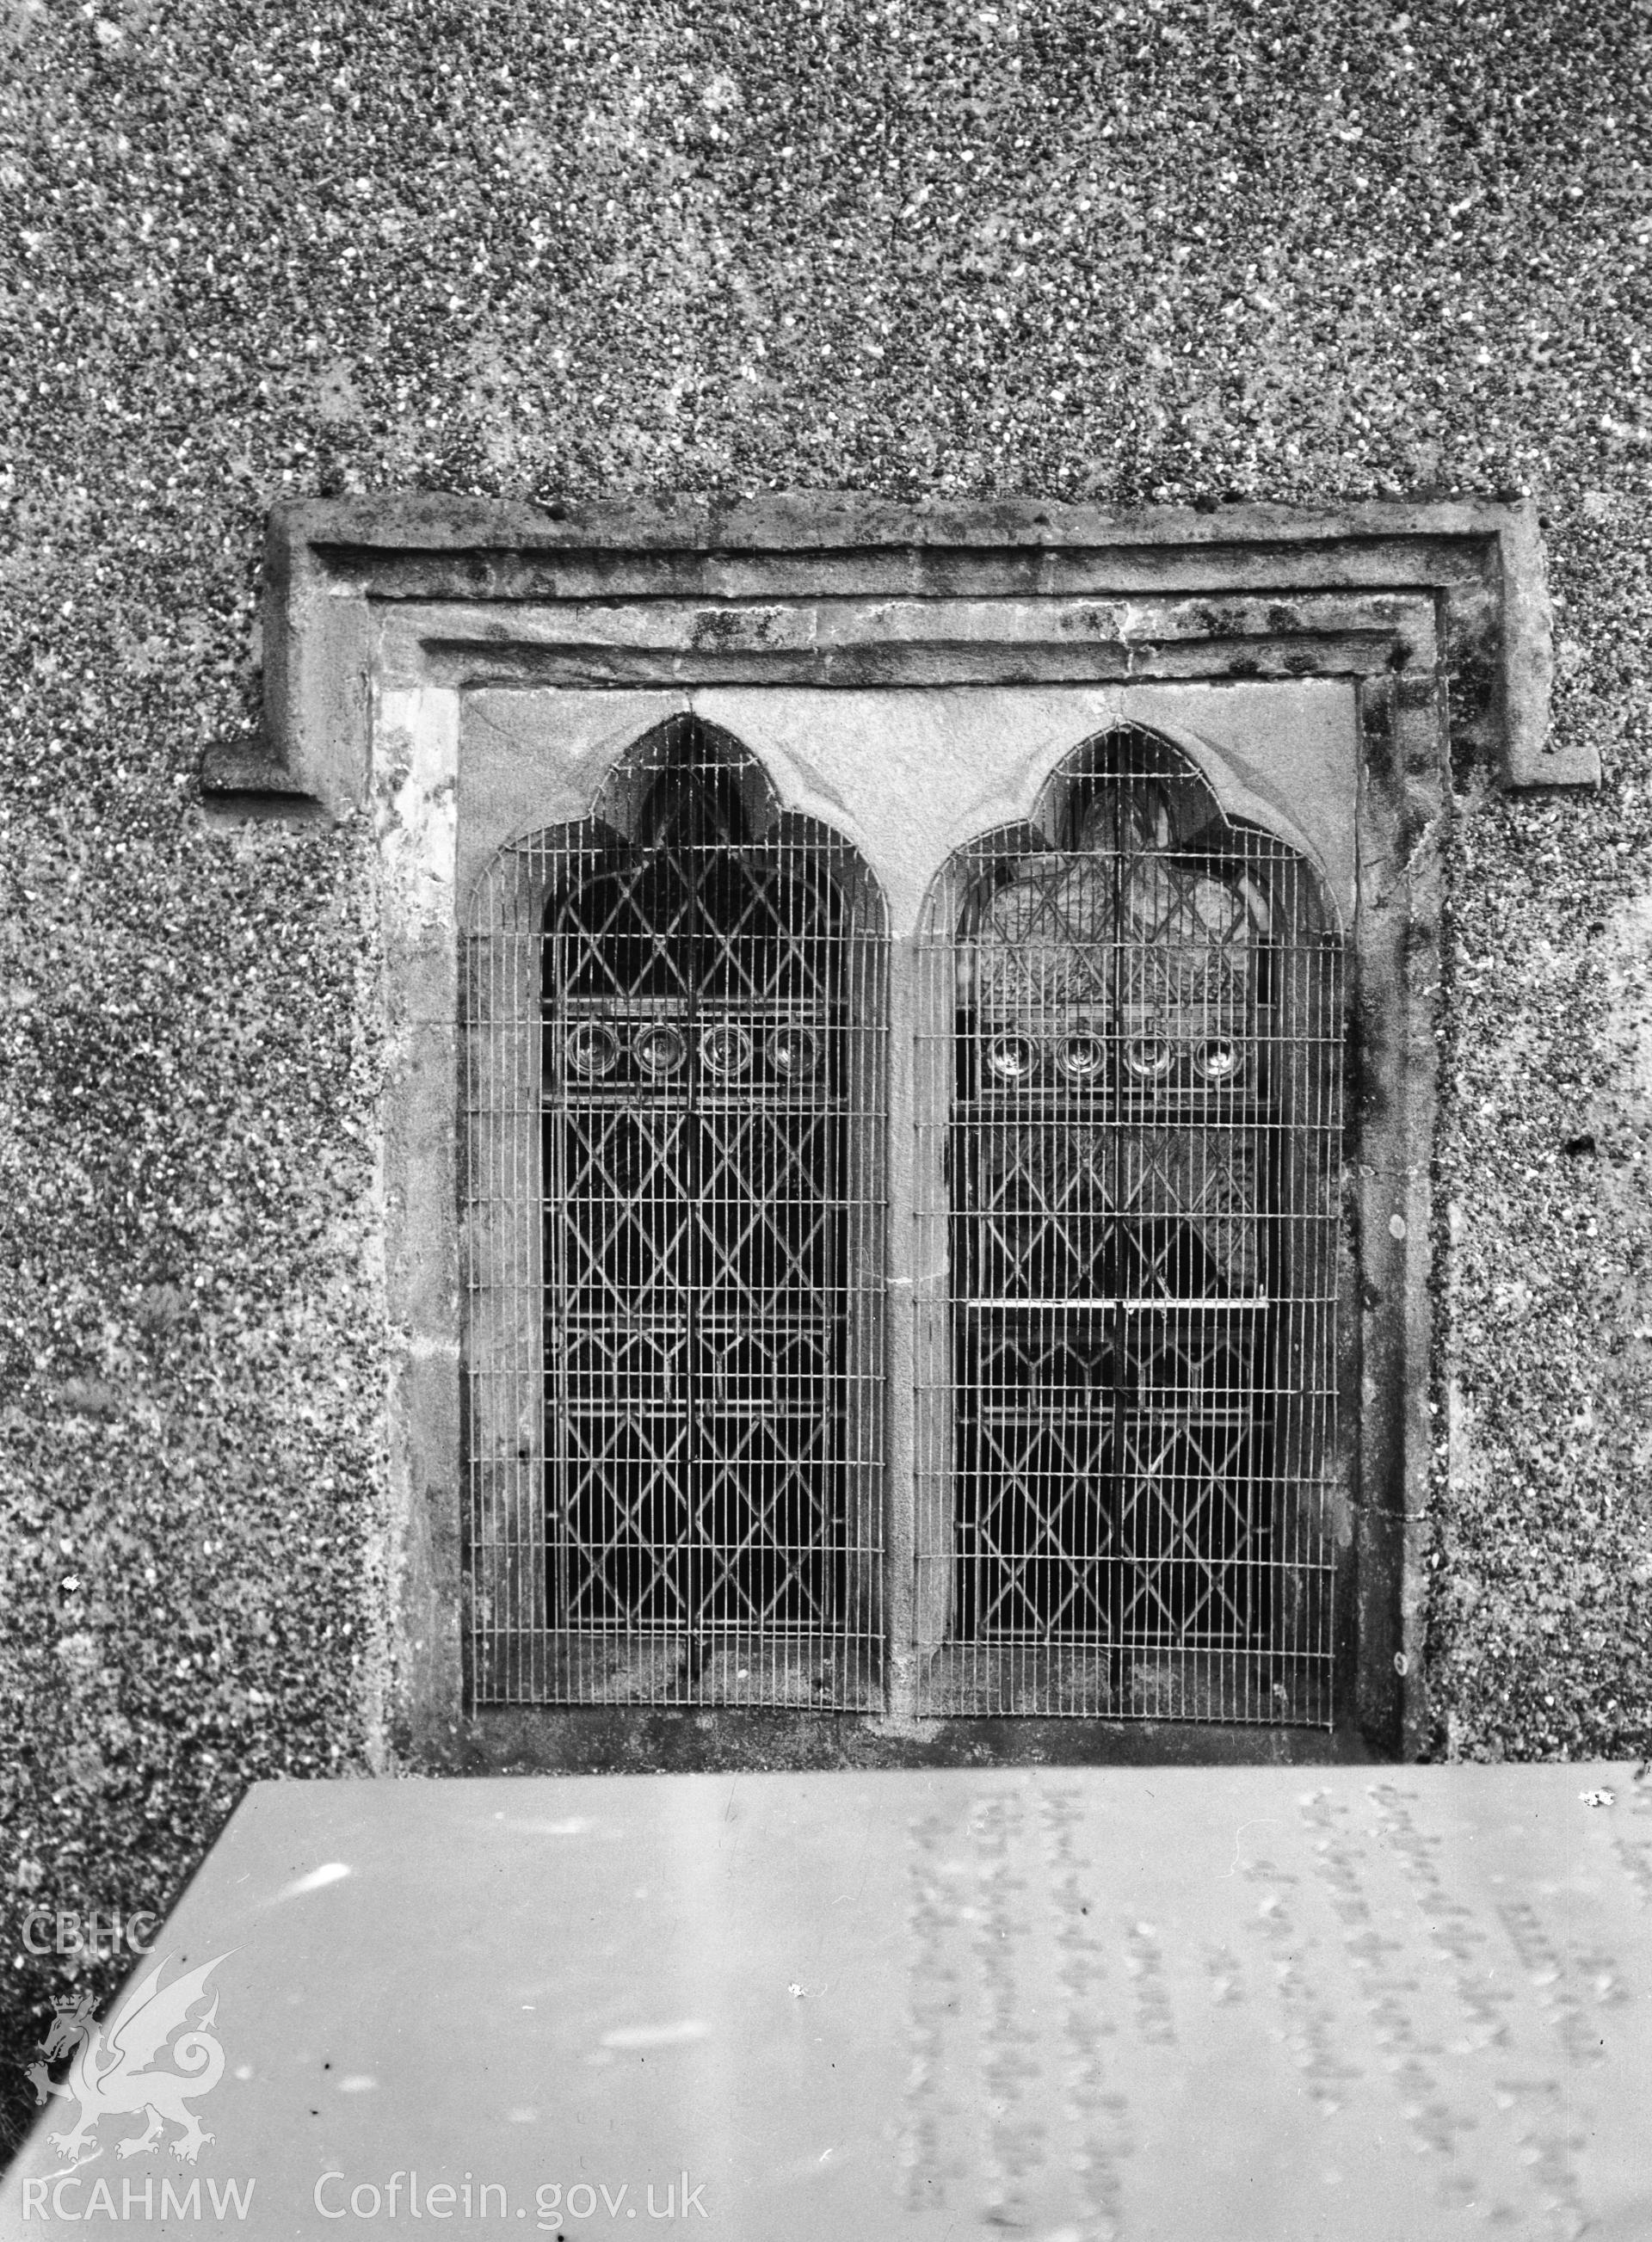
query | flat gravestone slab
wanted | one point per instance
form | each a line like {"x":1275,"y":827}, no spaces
{"x":1252,"y":2006}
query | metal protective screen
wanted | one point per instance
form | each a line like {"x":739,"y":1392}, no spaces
{"x":709,"y":1002}
{"x":1142,"y":1163}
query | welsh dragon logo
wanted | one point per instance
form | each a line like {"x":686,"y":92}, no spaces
{"x":110,"y":2072}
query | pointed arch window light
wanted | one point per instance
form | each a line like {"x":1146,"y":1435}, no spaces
{"x":675,"y":1018}
{"x":1133,"y":1017}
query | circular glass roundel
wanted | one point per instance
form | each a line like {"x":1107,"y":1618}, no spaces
{"x":1219,"y":1060}
{"x":660,"y":1051}
{"x":592,"y":1048}
{"x":1081,"y":1057}
{"x":1149,"y":1057}
{"x":794,"y":1052}
{"x":726,"y":1051}
{"x":1011,"y":1058}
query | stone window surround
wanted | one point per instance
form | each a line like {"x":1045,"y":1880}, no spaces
{"x":380,"y":614}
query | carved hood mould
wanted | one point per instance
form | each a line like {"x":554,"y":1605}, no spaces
{"x":836,"y":588}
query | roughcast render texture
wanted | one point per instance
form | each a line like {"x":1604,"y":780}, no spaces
{"x":1138,"y":253}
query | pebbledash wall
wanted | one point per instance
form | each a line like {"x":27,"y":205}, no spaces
{"x":1198,"y":260}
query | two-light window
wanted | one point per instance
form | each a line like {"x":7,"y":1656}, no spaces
{"x":1117,"y":1125}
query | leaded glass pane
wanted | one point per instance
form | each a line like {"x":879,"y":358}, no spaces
{"x":690,"y":987}
{"x":1144,"y":1154}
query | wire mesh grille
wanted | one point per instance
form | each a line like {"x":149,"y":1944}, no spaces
{"x":674,"y":1208}
{"x":1132,"y":1021}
